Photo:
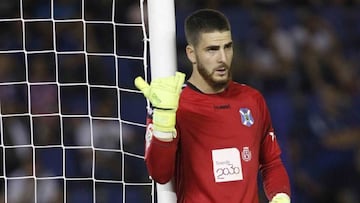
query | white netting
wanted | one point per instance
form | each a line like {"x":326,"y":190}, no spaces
{"x":71,"y":122}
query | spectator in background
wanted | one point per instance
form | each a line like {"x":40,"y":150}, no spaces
{"x":316,"y":41}
{"x":330,"y":147}
{"x":272,"y":54}
{"x":23,"y":190}
{"x":326,"y":142}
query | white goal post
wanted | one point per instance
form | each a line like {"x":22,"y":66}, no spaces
{"x":162,"y":34}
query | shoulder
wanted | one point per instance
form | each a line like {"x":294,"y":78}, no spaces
{"x":239,"y":88}
{"x":247,"y":94}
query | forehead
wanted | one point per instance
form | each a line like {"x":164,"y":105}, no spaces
{"x":214,"y":38}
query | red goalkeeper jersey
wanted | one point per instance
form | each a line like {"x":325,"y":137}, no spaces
{"x":223,"y":141}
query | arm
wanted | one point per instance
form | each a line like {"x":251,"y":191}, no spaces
{"x":160,"y":156}
{"x":273,"y":172}
{"x":274,"y":175}
{"x":161,"y":141}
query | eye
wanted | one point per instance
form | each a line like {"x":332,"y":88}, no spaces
{"x":212,"y":48}
{"x":228,"y":46}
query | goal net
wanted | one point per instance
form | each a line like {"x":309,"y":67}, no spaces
{"x":72,"y":123}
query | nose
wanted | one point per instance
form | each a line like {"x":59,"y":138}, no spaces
{"x":222,"y":56}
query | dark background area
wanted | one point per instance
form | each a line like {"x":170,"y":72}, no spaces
{"x":66,"y":93}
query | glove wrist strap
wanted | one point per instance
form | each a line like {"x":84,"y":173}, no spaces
{"x":164,"y":120}
{"x":164,"y":136}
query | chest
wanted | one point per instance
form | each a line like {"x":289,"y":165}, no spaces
{"x":225,"y":121}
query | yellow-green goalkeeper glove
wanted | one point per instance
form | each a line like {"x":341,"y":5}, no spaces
{"x":163,"y":94}
{"x":280,"y":198}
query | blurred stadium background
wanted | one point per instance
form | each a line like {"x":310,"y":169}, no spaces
{"x":304,"y":56}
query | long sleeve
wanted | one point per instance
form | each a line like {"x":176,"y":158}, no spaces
{"x":273,"y":172}
{"x":275,"y":178}
{"x":160,"y":157}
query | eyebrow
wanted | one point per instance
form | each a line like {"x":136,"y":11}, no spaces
{"x":212,"y":47}
{"x":229,"y":44}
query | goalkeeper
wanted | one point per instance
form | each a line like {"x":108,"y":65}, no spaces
{"x":211,"y":134}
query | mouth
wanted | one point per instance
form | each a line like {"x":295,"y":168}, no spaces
{"x":221,"y":70}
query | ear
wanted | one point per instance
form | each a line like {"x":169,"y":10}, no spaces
{"x":190,"y":52}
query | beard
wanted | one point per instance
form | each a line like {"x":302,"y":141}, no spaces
{"x":211,"y":80}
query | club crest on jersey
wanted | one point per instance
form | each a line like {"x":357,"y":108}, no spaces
{"x":246,"y":154}
{"x":246,"y":117}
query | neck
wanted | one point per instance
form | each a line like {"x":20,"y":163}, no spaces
{"x":204,"y":87}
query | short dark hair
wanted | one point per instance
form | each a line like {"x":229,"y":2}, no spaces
{"x":204,"y":21}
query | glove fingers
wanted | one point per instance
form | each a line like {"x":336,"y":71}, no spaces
{"x":180,"y":78}
{"x":169,"y":84}
{"x":172,"y":83}
{"x":162,"y":92}
{"x":142,"y":85}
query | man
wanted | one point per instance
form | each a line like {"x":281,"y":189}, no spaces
{"x":213,"y":136}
